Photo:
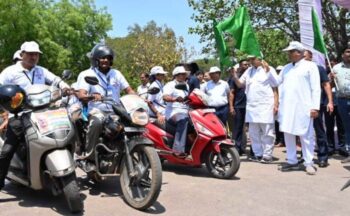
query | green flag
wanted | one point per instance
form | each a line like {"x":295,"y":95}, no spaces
{"x":240,"y":27}
{"x":319,"y":44}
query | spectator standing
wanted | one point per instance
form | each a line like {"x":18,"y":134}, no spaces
{"x":299,"y":105}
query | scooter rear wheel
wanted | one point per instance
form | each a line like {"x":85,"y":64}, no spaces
{"x":223,"y":165}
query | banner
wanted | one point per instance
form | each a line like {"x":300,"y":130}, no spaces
{"x":306,"y":27}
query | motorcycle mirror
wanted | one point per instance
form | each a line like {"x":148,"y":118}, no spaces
{"x":66,"y":74}
{"x":91,"y":80}
{"x":153,"y":91}
{"x":181,"y":86}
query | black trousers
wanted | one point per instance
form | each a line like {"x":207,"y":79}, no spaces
{"x":279,"y":134}
{"x":331,"y":119}
{"x":238,"y":129}
{"x":321,"y":137}
{"x":14,"y":136}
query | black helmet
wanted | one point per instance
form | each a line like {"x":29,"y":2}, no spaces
{"x":12,"y":98}
{"x":99,"y":51}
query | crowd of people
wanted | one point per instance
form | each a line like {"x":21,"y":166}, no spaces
{"x":297,"y":104}
{"x":284,"y":107}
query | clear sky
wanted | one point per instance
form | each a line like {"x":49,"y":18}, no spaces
{"x":176,"y":14}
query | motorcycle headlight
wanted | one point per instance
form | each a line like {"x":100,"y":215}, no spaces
{"x":140,"y":117}
{"x":36,"y":100}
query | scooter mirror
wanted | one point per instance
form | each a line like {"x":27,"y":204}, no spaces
{"x":66,"y":74}
{"x":181,"y":86}
{"x":91,"y":80}
{"x":153,"y":91}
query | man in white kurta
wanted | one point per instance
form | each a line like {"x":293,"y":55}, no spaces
{"x":299,"y":105}
{"x":259,"y":109}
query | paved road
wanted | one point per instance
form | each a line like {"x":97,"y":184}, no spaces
{"x":258,"y":189}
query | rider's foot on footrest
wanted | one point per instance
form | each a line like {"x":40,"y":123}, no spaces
{"x":180,"y":154}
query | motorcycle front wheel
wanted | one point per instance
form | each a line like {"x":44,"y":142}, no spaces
{"x":142,"y":188}
{"x":223,"y":165}
{"x":71,"y":192}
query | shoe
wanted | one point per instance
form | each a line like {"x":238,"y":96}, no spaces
{"x":255,"y":158}
{"x":278,"y":145}
{"x":310,"y":170}
{"x":323,"y":164}
{"x":266,"y":160}
{"x":2,"y":184}
{"x":180,"y":155}
{"x":88,"y":166}
{"x":346,"y":160}
{"x":289,"y":167}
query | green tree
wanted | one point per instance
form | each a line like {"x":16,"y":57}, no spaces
{"x":145,"y":47}
{"x":269,"y":15}
{"x":65,"y":30}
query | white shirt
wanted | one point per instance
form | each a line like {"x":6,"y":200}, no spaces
{"x":300,"y":93}
{"x":260,"y":97}
{"x":175,"y":109}
{"x":157,"y":99}
{"x":111,"y":85}
{"x":16,"y":74}
{"x":142,"y":90}
{"x":217,"y":92}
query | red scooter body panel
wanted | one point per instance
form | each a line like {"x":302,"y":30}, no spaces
{"x":209,"y":133}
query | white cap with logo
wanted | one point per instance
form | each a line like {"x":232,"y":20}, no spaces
{"x":214,"y":69}
{"x":157,"y":70}
{"x":295,"y":45}
{"x":179,"y":70}
{"x":30,"y":46}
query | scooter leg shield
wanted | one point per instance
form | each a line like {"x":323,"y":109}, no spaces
{"x":60,"y":163}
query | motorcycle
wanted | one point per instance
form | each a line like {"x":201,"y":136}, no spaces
{"x":123,"y":151}
{"x":207,"y":140}
{"x":45,"y":159}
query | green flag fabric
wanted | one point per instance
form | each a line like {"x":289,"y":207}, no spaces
{"x":240,"y":27}
{"x":319,"y":44}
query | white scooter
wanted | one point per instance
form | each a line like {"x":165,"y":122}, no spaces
{"x":45,"y":159}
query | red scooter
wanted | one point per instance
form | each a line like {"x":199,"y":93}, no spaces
{"x":207,"y":140}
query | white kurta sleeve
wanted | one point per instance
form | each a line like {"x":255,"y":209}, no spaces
{"x":315,"y":86}
{"x":274,"y":78}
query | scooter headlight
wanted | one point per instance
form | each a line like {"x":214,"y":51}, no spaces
{"x":203,"y":129}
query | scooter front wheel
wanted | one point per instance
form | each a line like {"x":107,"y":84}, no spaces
{"x":71,"y":192}
{"x":142,"y":189}
{"x":223,"y":165}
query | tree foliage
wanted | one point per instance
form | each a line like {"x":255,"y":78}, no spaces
{"x":145,"y":47}
{"x":65,"y":30}
{"x":280,"y":16}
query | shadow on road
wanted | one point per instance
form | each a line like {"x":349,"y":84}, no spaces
{"x":29,"y":198}
{"x":111,"y":188}
{"x":200,"y":172}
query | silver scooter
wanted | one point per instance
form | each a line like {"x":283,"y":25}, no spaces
{"x":45,"y":159}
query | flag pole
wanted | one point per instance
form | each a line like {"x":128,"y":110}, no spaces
{"x":330,"y":67}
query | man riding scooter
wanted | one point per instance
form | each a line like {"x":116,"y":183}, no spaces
{"x":176,"y":111}
{"x":111,"y":83}
{"x":24,"y":73}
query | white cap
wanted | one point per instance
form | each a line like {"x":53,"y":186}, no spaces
{"x":279,"y":68}
{"x":179,"y":70}
{"x":17,"y":55}
{"x":30,"y":46}
{"x":295,"y":45}
{"x":214,"y":69}
{"x":157,"y":70}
